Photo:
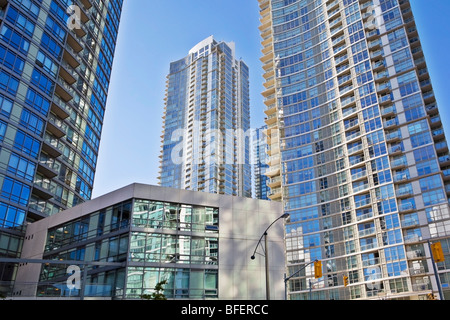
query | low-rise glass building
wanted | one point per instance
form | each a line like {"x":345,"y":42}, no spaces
{"x":123,"y":244}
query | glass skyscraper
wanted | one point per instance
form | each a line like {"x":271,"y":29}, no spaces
{"x":206,"y":131}
{"x":260,"y":165}
{"x":357,"y":141}
{"x":55,"y":66}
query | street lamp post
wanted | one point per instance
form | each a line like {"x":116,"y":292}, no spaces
{"x":266,"y":253}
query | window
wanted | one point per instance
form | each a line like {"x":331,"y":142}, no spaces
{"x":27,"y":144}
{"x":15,"y":191}
{"x":424,"y":153}
{"x":42,"y":81}
{"x":420,"y":139}
{"x":37,"y":101}
{"x":47,"y":63}
{"x":20,"y":21}
{"x":21,"y":167}
{"x":8,"y":83}
{"x":51,"y":45}
{"x":10,"y":216}
{"x":427,"y":167}
{"x":434,"y":197}
{"x":5,"y":105}
{"x":396,"y":268}
{"x":431,"y":182}
{"x":32,"y":122}
{"x":55,"y":29}
{"x":10,"y":60}
{"x":14,"y":39}
{"x":392,"y":237}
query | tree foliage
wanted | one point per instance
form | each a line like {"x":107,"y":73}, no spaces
{"x":158,"y":294}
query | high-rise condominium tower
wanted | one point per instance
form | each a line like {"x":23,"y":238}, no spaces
{"x":356,"y":138}
{"x":260,"y":164}
{"x":55,"y":65}
{"x":206,"y":138}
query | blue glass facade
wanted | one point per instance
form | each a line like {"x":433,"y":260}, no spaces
{"x":261,"y":164}
{"x":55,"y":64}
{"x":206,"y":134}
{"x":362,"y":157}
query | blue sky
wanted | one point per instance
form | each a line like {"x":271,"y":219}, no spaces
{"x":154,"y":33}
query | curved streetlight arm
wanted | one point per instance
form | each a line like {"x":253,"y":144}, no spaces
{"x":265,"y":233}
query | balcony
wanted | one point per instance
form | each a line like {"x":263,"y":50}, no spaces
{"x":384,"y":99}
{"x":352,"y":135}
{"x":48,"y":166}
{"x":355,"y":149}
{"x":361,"y":186}
{"x":390,"y":123}
{"x":435,"y":122}
{"x":43,"y":189}
{"x":395,"y":150}
{"x":64,"y":90}
{"x":275,"y":194}
{"x":428,"y":97}
{"x":359,"y":175}
{"x":74,"y":42}
{"x":68,"y":73}
{"x":384,"y":87}
{"x":372,"y":34}
{"x":441,"y":146}
{"x":399,"y":163}
{"x":381,"y":75}
{"x":346,"y":102}
{"x":393,"y":136}
{"x":366,"y":232}
{"x":349,"y":111}
{"x":273,"y":171}
{"x":446,"y":174}
{"x":444,"y":160}
{"x":378,"y":65}
{"x":71,"y":57}
{"x":400,"y":177}
{"x":412,"y":238}
{"x":275,"y":182}
{"x":414,"y":254}
{"x":388,"y":111}
{"x":363,"y":203}
{"x":410,"y":222}
{"x":375,"y":44}
{"x":344,"y":79}
{"x":56,"y":127}
{"x":87,"y":4}
{"x":52,"y":146}
{"x":351,"y":124}
{"x":432,"y":109}
{"x":338,"y":40}
{"x":406,"y":207}
{"x":377,"y":54}
{"x":403,"y":192}
{"x":60,"y":108}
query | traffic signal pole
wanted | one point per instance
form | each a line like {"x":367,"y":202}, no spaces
{"x":436,"y":275}
{"x":286,"y":279}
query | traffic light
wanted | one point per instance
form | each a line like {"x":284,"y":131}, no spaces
{"x":318,"y":269}
{"x":431,"y":296}
{"x":438,"y":254}
{"x":345,"y":281}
